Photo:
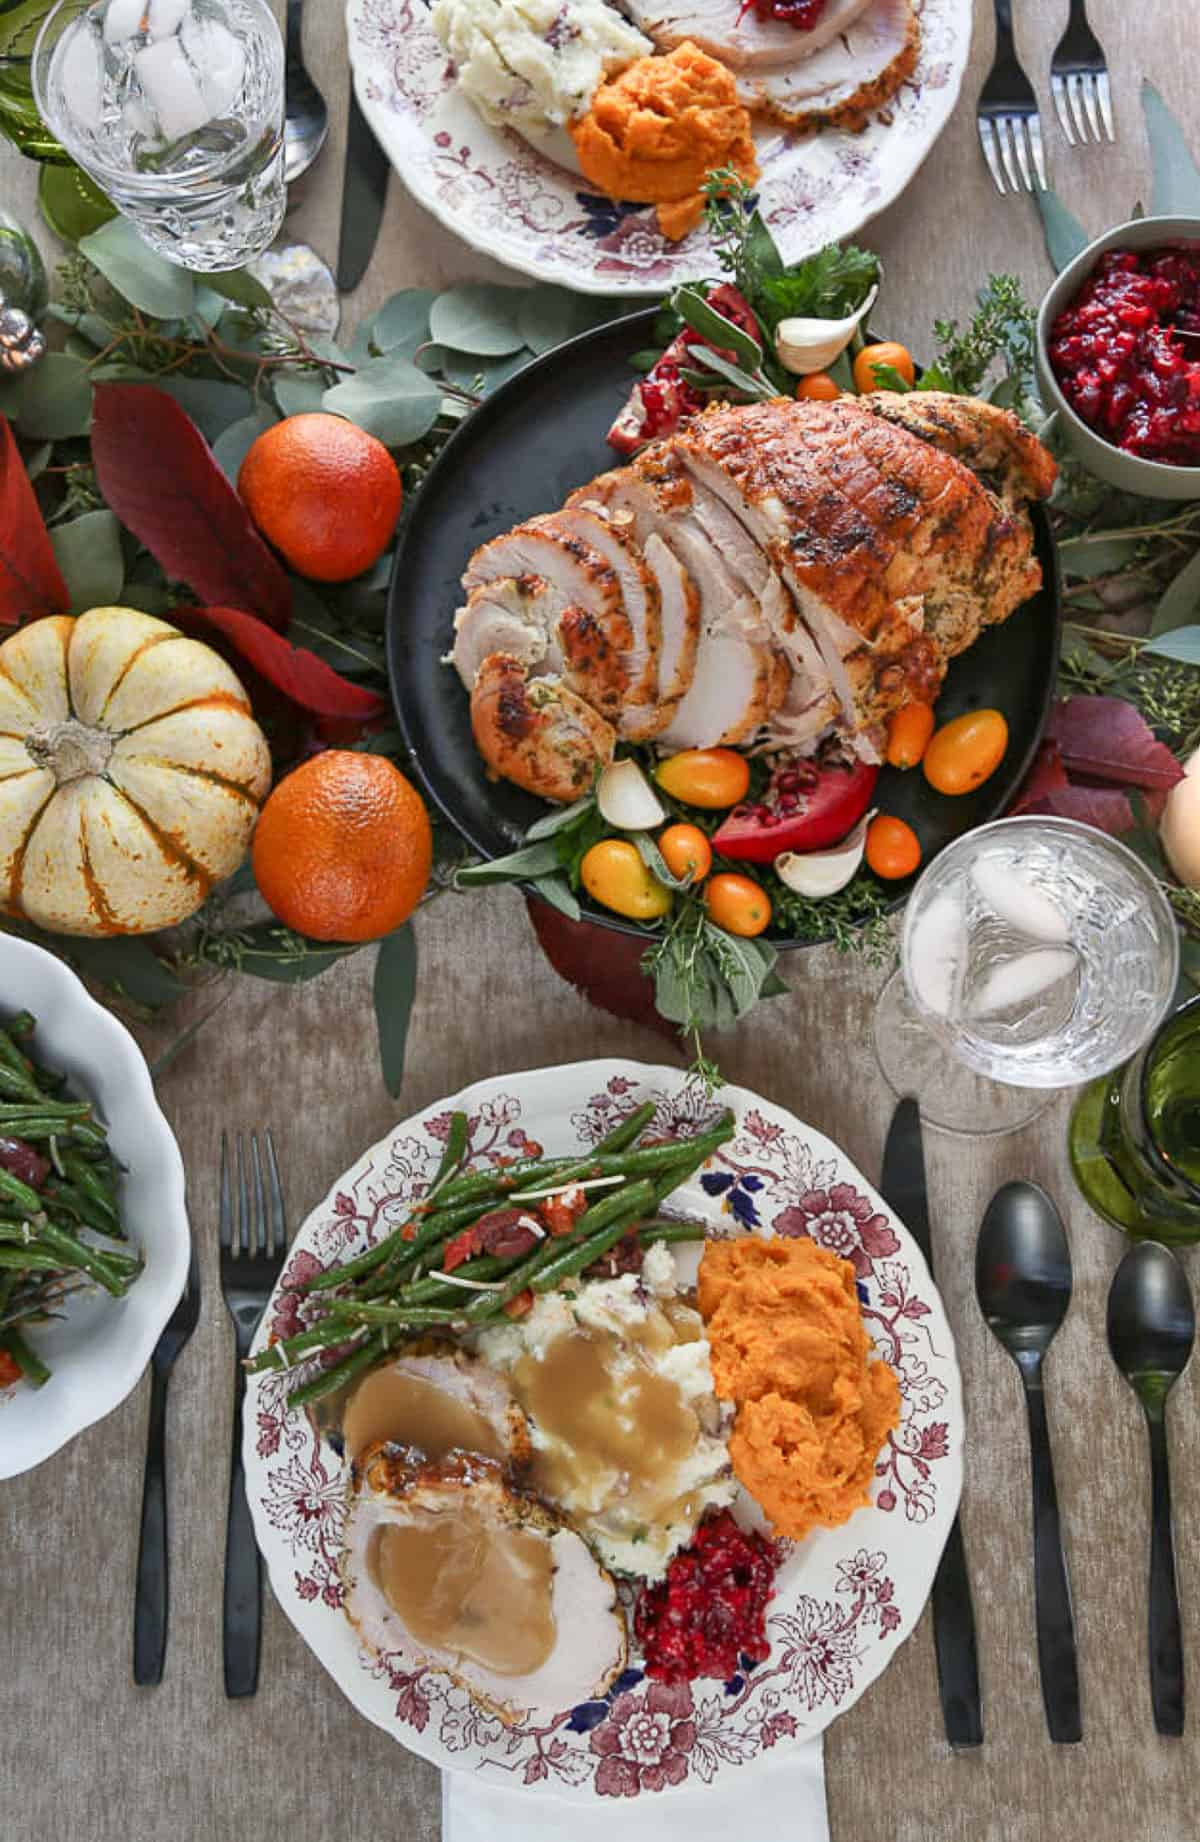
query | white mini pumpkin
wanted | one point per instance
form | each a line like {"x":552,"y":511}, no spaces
{"x":131,"y":773}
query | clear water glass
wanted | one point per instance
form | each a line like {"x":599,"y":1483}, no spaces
{"x":175,"y":108}
{"x":1037,"y":953}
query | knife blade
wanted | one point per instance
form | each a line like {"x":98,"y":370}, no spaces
{"x":903,"y":1188}
{"x":364,"y":194}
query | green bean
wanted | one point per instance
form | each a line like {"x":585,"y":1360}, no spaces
{"x":87,"y":1260}
{"x":87,"y":1213}
{"x":431,"y":1229}
{"x":452,"y":1156}
{"x":436,"y":1284}
{"x":624,"y":1207}
{"x":20,"y":1193}
{"x":30,"y":1364}
{"x":281,"y":1355}
{"x":329,"y":1381}
{"x":59,"y":1109}
{"x":670,"y":1230}
{"x":630,"y":1129}
{"x":31,"y":1259}
{"x":576,"y":1256}
{"x":85,"y":1177}
{"x":411,"y":1317}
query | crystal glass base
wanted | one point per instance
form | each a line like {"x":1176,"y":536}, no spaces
{"x":951,"y":1096}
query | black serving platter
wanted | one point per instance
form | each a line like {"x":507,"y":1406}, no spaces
{"x":529,"y":445}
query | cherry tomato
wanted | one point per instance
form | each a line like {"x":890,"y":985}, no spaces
{"x":892,"y":848}
{"x":889,"y":353}
{"x":908,"y":734}
{"x":818,"y":387}
{"x":686,"y":851}
{"x":712,"y":778}
{"x":964,"y":752}
{"x":737,"y":904}
{"x":614,"y":875}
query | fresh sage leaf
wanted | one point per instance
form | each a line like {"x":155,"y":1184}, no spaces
{"x":557,"y":891}
{"x":54,"y":400}
{"x":402,"y":323}
{"x":88,"y":552}
{"x":1181,"y":600}
{"x":1064,"y":234}
{"x":390,"y":399}
{"x":695,"y":311}
{"x":539,"y":859}
{"x":560,"y":818}
{"x":479,"y":317}
{"x":395,"y":987}
{"x":232,"y":446}
{"x":654,"y":860}
{"x":139,"y":274}
{"x":716,"y":361}
{"x":1175,"y":190}
{"x":1086,"y":557}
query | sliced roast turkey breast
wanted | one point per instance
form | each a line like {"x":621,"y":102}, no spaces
{"x":638,"y":717}
{"x":848,"y":80}
{"x":680,"y":633}
{"x":991,"y":441}
{"x":736,"y":688}
{"x":513,"y":615}
{"x":736,"y":35}
{"x":537,"y":733}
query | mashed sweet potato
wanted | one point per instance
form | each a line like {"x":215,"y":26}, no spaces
{"x":789,"y":1349}
{"x":654,"y":131}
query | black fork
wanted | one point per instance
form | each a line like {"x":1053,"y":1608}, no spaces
{"x":252,"y":1259}
{"x":151,"y":1599}
{"x":1010,"y":128}
{"x":1079,"y":82}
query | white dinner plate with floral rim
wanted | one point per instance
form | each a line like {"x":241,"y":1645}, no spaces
{"x":506,"y":199}
{"x":845,"y":1598}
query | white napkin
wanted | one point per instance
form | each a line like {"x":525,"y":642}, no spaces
{"x":780,"y":1802}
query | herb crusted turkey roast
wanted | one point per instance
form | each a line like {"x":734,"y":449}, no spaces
{"x":768,"y":575}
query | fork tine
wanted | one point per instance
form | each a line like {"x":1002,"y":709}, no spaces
{"x":225,"y":1235}
{"x":1104,"y":91}
{"x":244,"y":1241}
{"x":275,"y":1196}
{"x":1075,"y":98}
{"x":1058,"y":91}
{"x":1088,"y":88}
{"x":1039,"y":151}
{"x":987,"y":140}
{"x":1020,"y":142}
{"x":1004,"y":133}
{"x":262,"y":1242}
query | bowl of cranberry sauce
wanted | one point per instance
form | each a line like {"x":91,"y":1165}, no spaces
{"x":1119,"y":356}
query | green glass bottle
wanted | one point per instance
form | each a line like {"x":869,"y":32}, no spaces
{"x":20,"y":22}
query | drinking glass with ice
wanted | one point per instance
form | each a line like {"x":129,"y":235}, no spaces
{"x":1036,"y":953}
{"x":175,"y":108}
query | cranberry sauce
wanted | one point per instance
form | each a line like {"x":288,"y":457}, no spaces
{"x":1119,"y":357}
{"x":708,"y":1617}
{"x":803,"y":14}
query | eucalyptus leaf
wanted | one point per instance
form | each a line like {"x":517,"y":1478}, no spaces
{"x":1181,"y":600}
{"x":126,"y":964}
{"x":1087,"y":557}
{"x":263,"y":958}
{"x":1064,"y":234}
{"x":212,"y":404}
{"x":539,"y":859}
{"x":234,"y":443}
{"x":299,"y":393}
{"x":395,"y":987}
{"x":695,"y":311}
{"x":55,"y":398}
{"x":479,"y":317}
{"x":548,"y":316}
{"x":185,"y":1039}
{"x":481,"y":375}
{"x":139,"y":274}
{"x":390,"y":399}
{"x":239,"y":286}
{"x":88,"y":552}
{"x":402,"y":323}
{"x":560,"y":818}
{"x":558,"y":892}
{"x":315,"y":626}
{"x":1175,"y":189}
{"x":1181,"y":643}
{"x":37,"y":461}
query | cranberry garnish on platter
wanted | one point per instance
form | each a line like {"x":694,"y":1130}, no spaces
{"x":803,"y":14}
{"x":1122,"y":354}
{"x":709,"y":1613}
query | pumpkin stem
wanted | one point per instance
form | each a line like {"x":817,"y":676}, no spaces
{"x":71,"y":750}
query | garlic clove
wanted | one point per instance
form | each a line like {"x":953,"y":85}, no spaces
{"x":1179,"y":827}
{"x":820,"y":873}
{"x":626,"y":798}
{"x":804,"y":346}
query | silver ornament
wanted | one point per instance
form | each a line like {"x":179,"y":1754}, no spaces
{"x":21,"y":342}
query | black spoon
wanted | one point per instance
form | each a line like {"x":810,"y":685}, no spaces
{"x":1151,"y":1329}
{"x":1023,"y":1283}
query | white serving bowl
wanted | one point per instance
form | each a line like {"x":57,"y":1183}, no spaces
{"x":100,"y":1347}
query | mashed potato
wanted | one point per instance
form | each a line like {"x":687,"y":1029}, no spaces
{"x":614,"y":1378}
{"x":534,"y":64}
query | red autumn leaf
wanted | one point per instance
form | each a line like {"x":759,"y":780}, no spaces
{"x":604,"y":967}
{"x":1046,"y":774}
{"x":157,"y":473}
{"x":1108,"y":740}
{"x":1104,"y":807}
{"x":31,"y":582}
{"x":300,"y":675}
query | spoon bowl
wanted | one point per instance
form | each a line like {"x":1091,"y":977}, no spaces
{"x":1151,"y":1319}
{"x":306,"y":116}
{"x":1023,"y":1269}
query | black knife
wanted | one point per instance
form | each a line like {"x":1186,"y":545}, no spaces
{"x":903,"y":1189}
{"x":364,"y":194}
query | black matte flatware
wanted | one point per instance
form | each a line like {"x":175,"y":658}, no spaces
{"x":904,"y":1189}
{"x":1151,"y":1329}
{"x":364,"y":194}
{"x":1023,"y":1283}
{"x":151,"y":1605}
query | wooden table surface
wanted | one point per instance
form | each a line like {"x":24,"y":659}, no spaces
{"x":86,"y":1757}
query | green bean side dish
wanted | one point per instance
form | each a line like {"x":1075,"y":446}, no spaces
{"x":58,"y":1185}
{"x":399,"y":1289}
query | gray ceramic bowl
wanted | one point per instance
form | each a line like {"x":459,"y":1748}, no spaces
{"x":1129,"y":472}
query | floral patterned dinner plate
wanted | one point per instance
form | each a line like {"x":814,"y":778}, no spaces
{"x":506,"y":199}
{"x":845,"y":1598}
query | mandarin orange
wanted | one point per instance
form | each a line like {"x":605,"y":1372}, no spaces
{"x":343,"y":847}
{"x":324,"y":492}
